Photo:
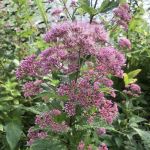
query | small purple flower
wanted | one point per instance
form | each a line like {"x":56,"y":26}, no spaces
{"x":70,"y":109}
{"x":50,"y":1}
{"x":125,"y":43}
{"x":90,"y":119}
{"x":101,"y":131}
{"x":107,"y":82}
{"x":73,"y":3}
{"x":56,"y":12}
{"x":81,"y":146}
{"x":42,"y":135}
{"x":103,"y":146}
{"x":133,"y":90}
{"x":96,"y":85}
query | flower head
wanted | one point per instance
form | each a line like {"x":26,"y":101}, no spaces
{"x":46,"y":119}
{"x":32,"y":88}
{"x":125,"y":43}
{"x":103,"y":147}
{"x":123,"y":15}
{"x":110,"y":61}
{"x":28,"y":67}
{"x":56,"y":12}
{"x":81,"y":146}
{"x":101,"y":131}
{"x":108,"y":111}
{"x":34,"y":135}
{"x":133,"y":90}
{"x":70,"y":109}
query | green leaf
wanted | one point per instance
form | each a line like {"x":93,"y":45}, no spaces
{"x":84,"y":2}
{"x":7,"y":98}
{"x":126,"y":79}
{"x":132,"y":81}
{"x":42,"y":11}
{"x":85,"y":5}
{"x":47,"y":144}
{"x":134,"y":120}
{"x":108,"y":5}
{"x":1,"y":127}
{"x":13,"y":133}
{"x":54,"y":82}
{"x":129,"y":78}
{"x":118,"y":141}
{"x":145,"y":136}
{"x":134,"y":73}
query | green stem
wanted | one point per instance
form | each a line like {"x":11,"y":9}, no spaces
{"x":92,"y":16}
{"x":66,"y":9}
{"x":78,"y":71}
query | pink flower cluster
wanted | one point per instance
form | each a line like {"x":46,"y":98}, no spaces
{"x":83,"y":93}
{"x":125,"y":43}
{"x":123,"y":15}
{"x":35,"y":134}
{"x":109,"y":111}
{"x":133,"y":90}
{"x":46,"y":120}
{"x":32,"y":88}
{"x":52,"y":59}
{"x":110,"y":61}
{"x":28,"y":67}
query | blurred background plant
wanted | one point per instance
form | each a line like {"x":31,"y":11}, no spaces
{"x":22,"y":24}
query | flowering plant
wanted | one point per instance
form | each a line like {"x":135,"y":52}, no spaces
{"x":74,"y":76}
